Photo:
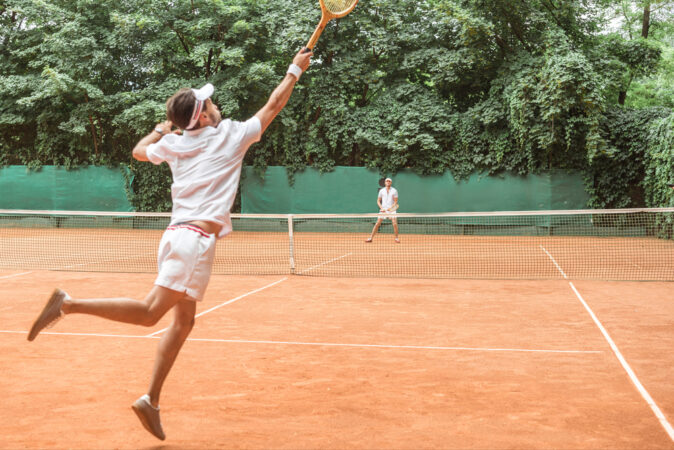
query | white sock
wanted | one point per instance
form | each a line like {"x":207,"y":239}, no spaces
{"x":146,"y":398}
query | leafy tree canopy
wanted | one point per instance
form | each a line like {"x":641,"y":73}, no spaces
{"x":433,"y":85}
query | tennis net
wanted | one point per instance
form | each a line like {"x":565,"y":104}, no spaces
{"x":626,"y":244}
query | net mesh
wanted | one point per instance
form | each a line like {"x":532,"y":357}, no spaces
{"x":338,"y":6}
{"x":597,"y":244}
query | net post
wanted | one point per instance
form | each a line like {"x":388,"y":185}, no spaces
{"x":291,"y":242}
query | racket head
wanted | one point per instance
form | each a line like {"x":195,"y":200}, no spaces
{"x":334,"y":9}
{"x":330,"y":9}
{"x":382,"y":182}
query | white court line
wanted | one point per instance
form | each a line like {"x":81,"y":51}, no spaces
{"x":227,"y":302}
{"x":15,"y":275}
{"x":644,"y":393}
{"x":326,"y":344}
{"x":88,"y":263}
{"x":53,"y":333}
{"x":253,"y":292}
{"x":412,"y":347}
{"x":324,"y":263}
{"x":642,"y":390}
{"x":555,"y":262}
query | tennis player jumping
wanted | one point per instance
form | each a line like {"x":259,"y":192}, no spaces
{"x":205,"y":161}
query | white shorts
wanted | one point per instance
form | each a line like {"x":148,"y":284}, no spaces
{"x":185,"y":259}
{"x":390,"y":215}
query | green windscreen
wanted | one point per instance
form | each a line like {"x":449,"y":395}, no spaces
{"x":351,"y":190}
{"x":55,"y":188}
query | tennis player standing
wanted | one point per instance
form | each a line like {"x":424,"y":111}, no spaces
{"x":387,"y":200}
{"x":205,"y":161}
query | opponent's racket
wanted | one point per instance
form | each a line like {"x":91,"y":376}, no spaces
{"x":330,"y":9}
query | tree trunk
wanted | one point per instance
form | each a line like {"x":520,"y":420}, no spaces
{"x":622,"y":95}
{"x":646,"y":20}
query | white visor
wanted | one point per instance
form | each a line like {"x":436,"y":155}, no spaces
{"x":201,"y":96}
{"x":388,"y":179}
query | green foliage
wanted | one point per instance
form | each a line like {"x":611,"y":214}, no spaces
{"x":432,"y":85}
{"x":615,"y":178}
{"x":624,"y":61}
{"x":659,"y":163}
{"x":149,"y":187}
{"x":641,"y":68}
{"x":656,"y":89}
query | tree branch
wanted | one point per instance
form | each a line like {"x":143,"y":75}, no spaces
{"x":547,"y":5}
{"x":627,"y":20}
{"x":516,"y":29}
{"x":180,"y":38}
{"x":646,"y":20}
{"x":208,"y":63}
{"x":501,"y":43}
{"x":93,"y":128}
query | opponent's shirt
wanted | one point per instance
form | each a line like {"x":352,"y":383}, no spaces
{"x":387,"y":197}
{"x":206,"y":167}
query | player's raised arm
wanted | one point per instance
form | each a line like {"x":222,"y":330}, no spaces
{"x":140,"y":150}
{"x":281,"y":94}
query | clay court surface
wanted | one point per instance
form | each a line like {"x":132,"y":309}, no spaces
{"x":300,"y":362}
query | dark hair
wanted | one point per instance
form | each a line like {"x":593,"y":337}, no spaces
{"x":180,"y":106}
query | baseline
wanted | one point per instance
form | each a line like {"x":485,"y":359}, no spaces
{"x":320,"y":344}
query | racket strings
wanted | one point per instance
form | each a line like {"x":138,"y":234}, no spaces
{"x":338,"y":6}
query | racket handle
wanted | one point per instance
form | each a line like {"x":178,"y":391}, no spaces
{"x":317,"y":33}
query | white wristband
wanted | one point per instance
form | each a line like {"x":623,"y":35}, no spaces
{"x":295,"y":71}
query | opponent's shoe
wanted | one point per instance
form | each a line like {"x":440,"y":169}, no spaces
{"x":50,"y":314}
{"x":149,"y":416}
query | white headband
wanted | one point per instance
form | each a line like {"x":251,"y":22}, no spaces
{"x":201,"y":95}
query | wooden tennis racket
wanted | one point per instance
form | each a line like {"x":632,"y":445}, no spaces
{"x":330,"y":9}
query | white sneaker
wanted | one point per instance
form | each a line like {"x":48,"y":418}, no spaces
{"x":51,"y":313}
{"x":149,"y":416}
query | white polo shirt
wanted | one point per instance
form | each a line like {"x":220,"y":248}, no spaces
{"x":206,"y":167}
{"x":387,"y":197}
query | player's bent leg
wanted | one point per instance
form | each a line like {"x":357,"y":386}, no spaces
{"x":159,"y":301}
{"x":145,"y":312}
{"x":170,"y":344}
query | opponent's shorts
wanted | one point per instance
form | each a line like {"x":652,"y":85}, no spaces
{"x":185,"y":259}
{"x":391,"y":215}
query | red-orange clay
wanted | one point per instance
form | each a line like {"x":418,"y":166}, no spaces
{"x":325,"y":363}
